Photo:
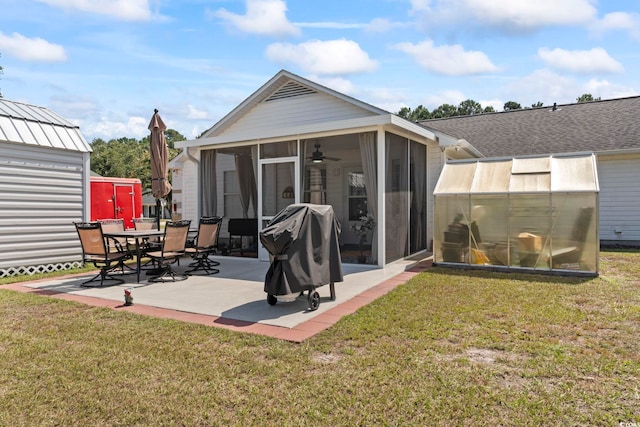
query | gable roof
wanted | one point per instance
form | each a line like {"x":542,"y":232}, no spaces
{"x":32,"y":125}
{"x":281,"y":86}
{"x":598,"y":126}
{"x":289,"y":106}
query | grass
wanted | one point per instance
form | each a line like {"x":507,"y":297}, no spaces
{"x":447,"y":348}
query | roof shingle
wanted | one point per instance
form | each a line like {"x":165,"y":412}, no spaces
{"x":590,"y":126}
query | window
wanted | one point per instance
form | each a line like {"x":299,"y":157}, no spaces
{"x":357,"y":194}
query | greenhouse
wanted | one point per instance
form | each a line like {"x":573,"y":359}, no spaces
{"x":529,"y":213}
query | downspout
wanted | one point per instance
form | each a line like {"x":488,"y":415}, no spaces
{"x":196,"y":161}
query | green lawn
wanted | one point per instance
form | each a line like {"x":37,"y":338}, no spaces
{"x":448,"y":348}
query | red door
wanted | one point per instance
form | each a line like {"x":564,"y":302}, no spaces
{"x":123,"y":204}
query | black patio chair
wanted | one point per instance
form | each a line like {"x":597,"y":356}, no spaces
{"x":173,"y":248}
{"x":204,"y":245}
{"x":106,"y":256}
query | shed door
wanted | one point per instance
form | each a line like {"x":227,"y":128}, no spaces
{"x":124,"y":202}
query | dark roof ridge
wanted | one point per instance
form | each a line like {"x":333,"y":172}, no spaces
{"x":547,"y":107}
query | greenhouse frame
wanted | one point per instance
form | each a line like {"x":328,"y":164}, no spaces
{"x":526,"y":213}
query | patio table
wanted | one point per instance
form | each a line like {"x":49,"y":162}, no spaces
{"x":137,"y":236}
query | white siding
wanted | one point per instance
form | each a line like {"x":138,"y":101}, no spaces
{"x":435,"y":160}
{"x":190,"y":195}
{"x":619,"y":199}
{"x":267,"y":117}
{"x":41,"y":195}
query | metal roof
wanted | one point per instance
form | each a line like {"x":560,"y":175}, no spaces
{"x":557,"y":173}
{"x":32,"y":125}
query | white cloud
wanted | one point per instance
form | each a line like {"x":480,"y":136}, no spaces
{"x":619,"y":21}
{"x":420,"y":5}
{"x":133,"y":127}
{"x":128,"y":10}
{"x":514,"y":15}
{"x":382,"y":25}
{"x":265,"y":17}
{"x":80,"y":106}
{"x":195,"y":132}
{"x":338,"y":84}
{"x":580,"y":61}
{"x":35,"y":49}
{"x":451,"y":97}
{"x":388,"y":99}
{"x":332,"y":57}
{"x":451,"y":60}
{"x":196,"y":114}
{"x":330,"y":25}
{"x":607,"y":90}
{"x":544,"y":86}
{"x":497,"y":104}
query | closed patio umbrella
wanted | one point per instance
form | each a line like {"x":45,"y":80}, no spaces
{"x":160,"y":186}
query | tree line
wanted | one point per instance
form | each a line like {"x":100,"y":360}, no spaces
{"x":469,"y":107}
{"x":129,"y":157}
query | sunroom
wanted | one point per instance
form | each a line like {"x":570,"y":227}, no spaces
{"x":530,"y":213}
{"x":294,"y":141}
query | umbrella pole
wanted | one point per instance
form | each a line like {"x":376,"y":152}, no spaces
{"x":158,"y":214}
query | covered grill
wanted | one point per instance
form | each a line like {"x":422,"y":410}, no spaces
{"x":303,"y":242}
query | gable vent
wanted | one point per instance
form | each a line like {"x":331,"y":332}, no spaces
{"x":290,"y":90}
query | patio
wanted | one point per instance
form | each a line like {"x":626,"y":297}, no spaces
{"x":234,"y":298}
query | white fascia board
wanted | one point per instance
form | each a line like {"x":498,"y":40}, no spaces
{"x":413,"y":127}
{"x":448,"y":143}
{"x":445,"y":140}
{"x":297,"y":131}
{"x":470,"y":148}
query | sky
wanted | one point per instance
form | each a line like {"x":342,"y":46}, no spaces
{"x":106,"y":65}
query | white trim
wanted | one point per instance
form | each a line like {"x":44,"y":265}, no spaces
{"x":263,"y":254}
{"x":380,"y":147}
{"x":324,"y":129}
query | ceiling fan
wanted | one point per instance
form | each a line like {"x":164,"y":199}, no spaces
{"x":318,"y":157}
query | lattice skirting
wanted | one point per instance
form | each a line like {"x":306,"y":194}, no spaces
{"x":30,"y":270}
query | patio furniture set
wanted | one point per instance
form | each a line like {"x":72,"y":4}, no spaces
{"x":108,"y":245}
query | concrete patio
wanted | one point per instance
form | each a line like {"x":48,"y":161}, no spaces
{"x":234,"y":298}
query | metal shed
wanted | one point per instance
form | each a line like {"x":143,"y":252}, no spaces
{"x":534,"y":213}
{"x":44,"y":187}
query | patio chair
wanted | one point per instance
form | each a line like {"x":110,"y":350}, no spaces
{"x":95,"y":249}
{"x":151,"y":244}
{"x":172,"y":249}
{"x":204,"y":245}
{"x":571,"y":253}
{"x":116,"y":243}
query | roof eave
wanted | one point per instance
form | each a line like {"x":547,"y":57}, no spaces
{"x":314,"y":128}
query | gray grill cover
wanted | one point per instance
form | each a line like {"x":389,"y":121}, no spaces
{"x":303,"y":242}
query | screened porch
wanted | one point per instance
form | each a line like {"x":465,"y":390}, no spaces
{"x":341,"y":171}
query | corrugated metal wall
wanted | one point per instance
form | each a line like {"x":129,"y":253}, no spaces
{"x":41,"y":195}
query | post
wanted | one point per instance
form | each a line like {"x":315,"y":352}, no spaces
{"x":158,"y":214}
